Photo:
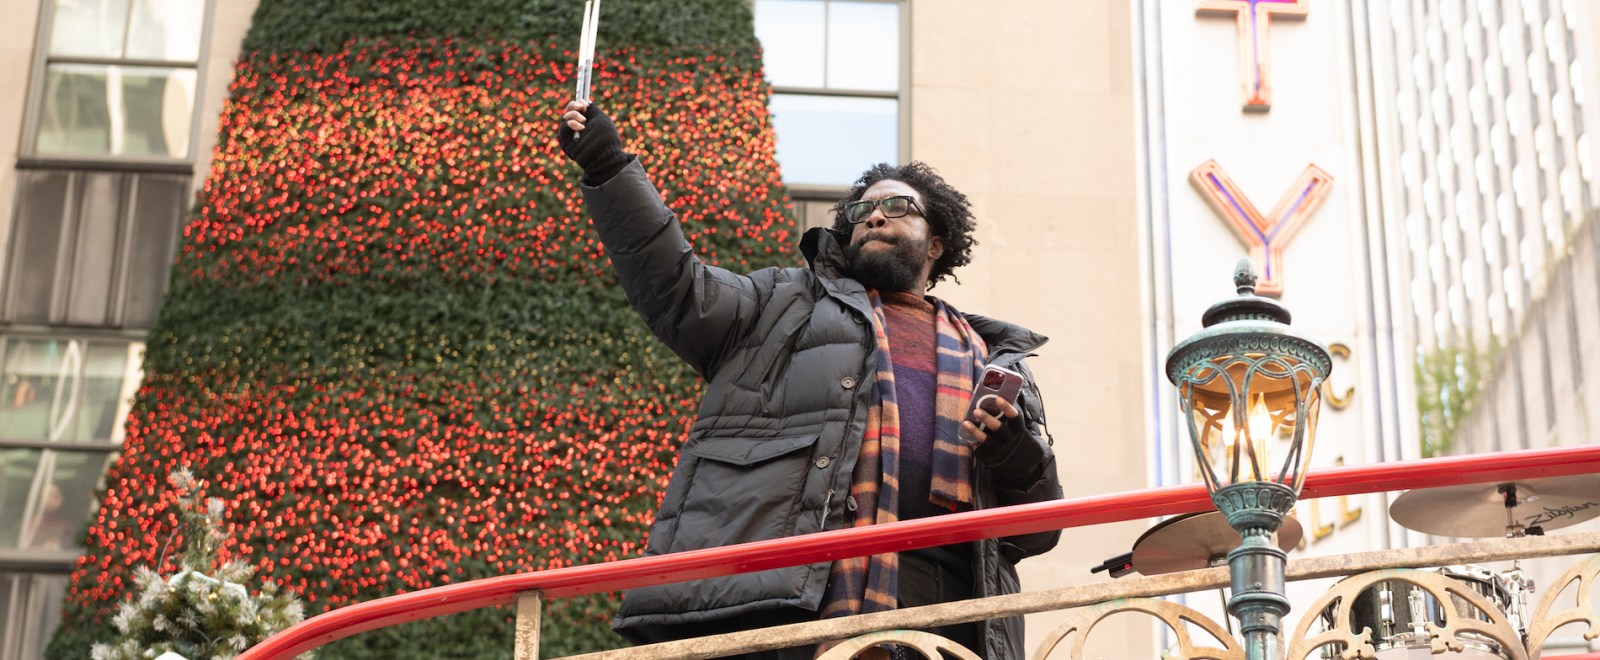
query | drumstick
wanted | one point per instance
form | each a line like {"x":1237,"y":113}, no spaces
{"x":586,"y":44}
{"x":583,"y":50}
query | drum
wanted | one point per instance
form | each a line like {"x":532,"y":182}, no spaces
{"x":1398,"y":614}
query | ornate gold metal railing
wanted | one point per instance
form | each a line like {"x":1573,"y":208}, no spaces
{"x":1094,"y":602}
{"x":1487,"y":626}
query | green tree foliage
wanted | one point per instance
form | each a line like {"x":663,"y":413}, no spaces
{"x":393,"y":345}
{"x":1449,"y":385}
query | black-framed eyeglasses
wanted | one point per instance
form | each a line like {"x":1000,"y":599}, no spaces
{"x":893,"y":207}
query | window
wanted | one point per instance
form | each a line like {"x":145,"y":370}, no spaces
{"x":119,"y":79}
{"x":91,"y":248}
{"x":62,"y":406}
{"x":30,"y":609}
{"x":838,"y":82}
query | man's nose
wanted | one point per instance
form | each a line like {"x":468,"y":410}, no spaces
{"x":877,"y":218}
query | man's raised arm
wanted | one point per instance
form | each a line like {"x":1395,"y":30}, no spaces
{"x":697,"y":310}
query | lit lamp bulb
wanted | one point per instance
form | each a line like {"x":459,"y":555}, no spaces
{"x":1259,"y":439}
{"x":1243,"y":453}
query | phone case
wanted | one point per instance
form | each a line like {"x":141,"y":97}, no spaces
{"x":995,"y":383}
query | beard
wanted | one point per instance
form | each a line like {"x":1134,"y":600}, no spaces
{"x":894,"y":269}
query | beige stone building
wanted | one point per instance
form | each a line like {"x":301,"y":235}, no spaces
{"x":108,"y":133}
{"x":1450,"y":258}
{"x":1456,"y":207}
{"x":1031,"y":118}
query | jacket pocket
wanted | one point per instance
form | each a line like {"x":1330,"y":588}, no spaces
{"x":743,"y":489}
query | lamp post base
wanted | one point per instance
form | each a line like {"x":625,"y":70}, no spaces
{"x":1256,"y":567}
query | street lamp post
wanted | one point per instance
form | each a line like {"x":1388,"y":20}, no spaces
{"x":1242,"y":381}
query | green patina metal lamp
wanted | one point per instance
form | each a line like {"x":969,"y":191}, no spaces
{"x":1249,"y":389}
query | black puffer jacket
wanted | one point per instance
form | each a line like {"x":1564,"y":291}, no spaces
{"x":788,"y":357}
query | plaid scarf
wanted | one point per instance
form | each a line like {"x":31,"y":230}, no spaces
{"x":859,"y":585}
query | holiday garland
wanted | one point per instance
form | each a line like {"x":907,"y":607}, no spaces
{"x":393,"y":346}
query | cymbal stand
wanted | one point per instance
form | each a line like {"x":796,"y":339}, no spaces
{"x":1518,"y":584}
{"x":1514,"y":529}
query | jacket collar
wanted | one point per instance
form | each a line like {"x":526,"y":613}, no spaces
{"x":1005,"y":338}
{"x":823,"y":249}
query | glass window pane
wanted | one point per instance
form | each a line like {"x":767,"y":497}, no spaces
{"x":116,"y":111}
{"x":101,"y":408}
{"x":17,"y":470}
{"x":166,"y":29}
{"x":47,"y":497}
{"x":791,"y":34}
{"x":35,"y":384}
{"x":30,"y":610}
{"x":75,"y":118}
{"x":864,"y":45}
{"x":831,"y":140}
{"x":56,"y":389}
{"x":88,"y":28}
{"x":62,"y":510}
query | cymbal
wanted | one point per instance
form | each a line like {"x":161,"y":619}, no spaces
{"x":1479,"y":510}
{"x":1195,"y":540}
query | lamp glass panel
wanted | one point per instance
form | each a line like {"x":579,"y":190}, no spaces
{"x":1247,"y":412}
{"x":1210,"y":412}
{"x":1312,"y":408}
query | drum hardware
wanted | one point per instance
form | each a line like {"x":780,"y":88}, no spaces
{"x":1398,"y":614}
{"x":1514,"y":528}
{"x":1419,"y":612}
{"x":1519,"y":586}
{"x":1117,"y":566}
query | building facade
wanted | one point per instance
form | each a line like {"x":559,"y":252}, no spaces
{"x":1417,"y":178}
{"x":1427,"y":168}
{"x":117,"y":112}
{"x":115,"y":134}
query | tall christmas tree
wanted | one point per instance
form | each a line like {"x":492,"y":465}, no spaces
{"x":393,"y":346}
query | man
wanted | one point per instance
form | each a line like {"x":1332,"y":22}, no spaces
{"x":835,"y":398}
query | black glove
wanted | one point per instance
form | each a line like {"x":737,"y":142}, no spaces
{"x":597,"y":149}
{"x":1012,"y":453}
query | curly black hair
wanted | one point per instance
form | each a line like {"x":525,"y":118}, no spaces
{"x":947,"y":211}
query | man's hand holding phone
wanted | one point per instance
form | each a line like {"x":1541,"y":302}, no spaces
{"x":994,"y":403}
{"x":986,"y":422}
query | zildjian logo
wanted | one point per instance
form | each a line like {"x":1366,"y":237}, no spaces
{"x":1552,"y":515}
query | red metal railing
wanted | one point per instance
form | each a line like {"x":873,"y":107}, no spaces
{"x":896,"y":537}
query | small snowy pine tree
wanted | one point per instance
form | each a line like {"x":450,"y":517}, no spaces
{"x":190,"y":613}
